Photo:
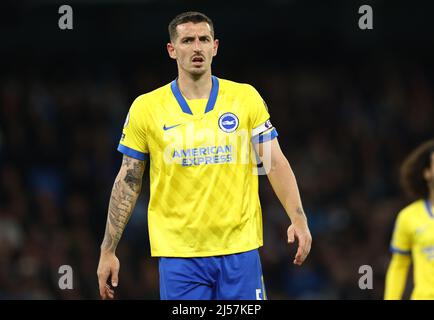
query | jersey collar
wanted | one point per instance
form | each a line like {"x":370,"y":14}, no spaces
{"x":184,"y":105}
{"x":429,"y":208}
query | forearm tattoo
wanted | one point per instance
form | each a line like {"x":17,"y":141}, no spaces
{"x":125,"y":192}
{"x":300,"y":211}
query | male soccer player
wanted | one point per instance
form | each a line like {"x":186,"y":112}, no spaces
{"x":204,"y":214}
{"x":413,"y":237}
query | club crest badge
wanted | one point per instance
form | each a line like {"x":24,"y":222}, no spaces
{"x":228,"y":122}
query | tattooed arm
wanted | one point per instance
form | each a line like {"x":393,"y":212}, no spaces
{"x":284,"y":184}
{"x":125,"y":192}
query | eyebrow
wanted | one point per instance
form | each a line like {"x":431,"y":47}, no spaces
{"x":192,"y":37}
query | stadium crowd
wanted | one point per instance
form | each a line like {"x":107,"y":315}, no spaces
{"x":344,"y":128}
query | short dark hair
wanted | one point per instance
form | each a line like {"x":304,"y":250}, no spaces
{"x":412,"y":180}
{"x":190,"y":16}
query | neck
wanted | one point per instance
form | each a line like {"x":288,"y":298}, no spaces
{"x":195,"y":87}
{"x":431,"y":196}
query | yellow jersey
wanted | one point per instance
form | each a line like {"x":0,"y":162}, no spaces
{"x":203,"y":169}
{"x":414,"y":235}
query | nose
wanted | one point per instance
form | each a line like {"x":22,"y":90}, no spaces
{"x":197,"y":45}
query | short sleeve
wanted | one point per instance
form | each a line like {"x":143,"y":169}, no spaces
{"x":133,"y":141}
{"x":262,"y":129}
{"x":401,"y":238}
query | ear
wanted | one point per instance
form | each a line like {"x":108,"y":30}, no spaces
{"x":216,"y":45}
{"x":427,"y":174}
{"x":171,"y":50}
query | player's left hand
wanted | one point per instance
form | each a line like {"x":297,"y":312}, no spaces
{"x":299,"y":230}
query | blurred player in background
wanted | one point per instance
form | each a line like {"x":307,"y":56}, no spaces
{"x":413,"y":236}
{"x":204,"y":214}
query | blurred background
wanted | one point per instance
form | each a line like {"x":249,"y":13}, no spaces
{"x":348,"y":104}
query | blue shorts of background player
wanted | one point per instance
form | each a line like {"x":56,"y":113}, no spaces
{"x":228,"y":277}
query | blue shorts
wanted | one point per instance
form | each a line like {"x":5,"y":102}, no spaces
{"x":229,"y":277}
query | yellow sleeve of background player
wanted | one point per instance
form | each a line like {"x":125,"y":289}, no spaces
{"x":401,"y":238}
{"x":262,"y":129}
{"x":396,"y":277}
{"x":133,"y":141}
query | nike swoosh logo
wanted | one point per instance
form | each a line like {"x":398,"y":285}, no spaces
{"x":420,"y":229}
{"x":170,"y":127}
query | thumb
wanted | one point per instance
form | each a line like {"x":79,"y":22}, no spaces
{"x":291,"y":235}
{"x":115,"y":278}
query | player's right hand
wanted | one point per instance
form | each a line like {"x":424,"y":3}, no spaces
{"x":108,"y":268}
